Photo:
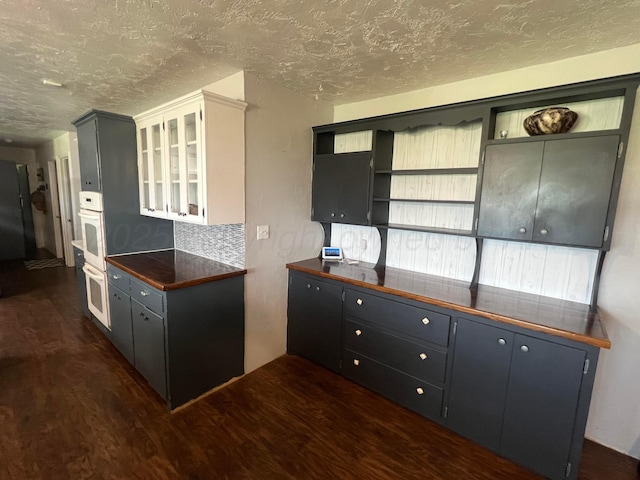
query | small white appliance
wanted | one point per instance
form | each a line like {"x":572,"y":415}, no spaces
{"x":93,"y":242}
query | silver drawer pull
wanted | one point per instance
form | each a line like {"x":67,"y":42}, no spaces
{"x":308,"y":285}
{"x":356,"y":362}
{"x":502,"y":341}
{"x":419,"y":390}
{"x":524,"y":348}
{"x":423,"y":356}
{"x":117,"y":277}
{"x":359,"y":301}
{"x":426,"y":321}
{"x":143,"y":293}
{"x":358,"y":332}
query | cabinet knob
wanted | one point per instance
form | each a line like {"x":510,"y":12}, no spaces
{"x":116,"y":277}
{"x":358,"y":332}
{"x":423,"y":356}
{"x":356,"y":362}
{"x":342,"y":215}
{"x":544,"y":231}
{"x":426,"y":321}
{"x":308,"y":285}
{"x":333,"y":214}
{"x":502,"y":341}
{"x":143,"y":293}
{"x":524,"y":348}
{"x":142,"y":314}
{"x":317,"y":289}
{"x":419,"y":390}
{"x":359,"y":301}
{"x":522,"y":230}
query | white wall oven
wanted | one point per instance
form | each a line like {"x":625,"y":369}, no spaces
{"x":93,"y":239}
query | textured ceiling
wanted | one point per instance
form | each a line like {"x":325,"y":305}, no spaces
{"x":126,"y":56}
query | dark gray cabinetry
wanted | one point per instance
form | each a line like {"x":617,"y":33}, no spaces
{"x":555,"y":191}
{"x":121,"y":327}
{"x":149,"y":352}
{"x":519,"y":395}
{"x":108,"y":164}
{"x":341,"y":188}
{"x":89,"y":157}
{"x":82,"y":282}
{"x":396,"y":348}
{"x":314,"y":320}
{"x":183,"y":341}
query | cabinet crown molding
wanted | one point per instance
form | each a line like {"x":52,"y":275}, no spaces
{"x":188,"y":99}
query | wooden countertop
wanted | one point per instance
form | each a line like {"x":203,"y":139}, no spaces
{"x":549,"y":315}
{"x":171,"y":269}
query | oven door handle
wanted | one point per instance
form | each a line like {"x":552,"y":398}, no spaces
{"x":88,"y":215}
{"x":93,"y":273}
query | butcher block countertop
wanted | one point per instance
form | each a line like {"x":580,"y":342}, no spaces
{"x":172,"y":269}
{"x":561,"y":318}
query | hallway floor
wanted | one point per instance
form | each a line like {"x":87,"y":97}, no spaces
{"x":71,"y":407}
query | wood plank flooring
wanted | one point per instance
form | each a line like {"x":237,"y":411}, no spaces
{"x":71,"y":407}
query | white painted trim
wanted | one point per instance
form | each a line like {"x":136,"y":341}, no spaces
{"x":66,"y":207}
{"x":55,"y":207}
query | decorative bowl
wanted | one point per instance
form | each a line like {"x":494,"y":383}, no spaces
{"x":550,"y":120}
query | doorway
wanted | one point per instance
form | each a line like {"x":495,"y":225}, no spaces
{"x":65,"y":209}
{"x":16,"y":221}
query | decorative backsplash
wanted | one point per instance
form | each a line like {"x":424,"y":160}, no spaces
{"x":222,"y":243}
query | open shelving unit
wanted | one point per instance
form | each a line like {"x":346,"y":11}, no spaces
{"x":405,"y":185}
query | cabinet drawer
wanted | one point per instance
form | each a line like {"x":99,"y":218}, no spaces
{"x":404,"y":389}
{"x":413,"y":358}
{"x":147,"y":295}
{"x":418,"y":322}
{"x":118,"y":278}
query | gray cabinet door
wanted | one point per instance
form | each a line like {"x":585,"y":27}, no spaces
{"x":541,"y":405}
{"x":89,"y":160}
{"x":575,"y":188}
{"x":341,"y":188}
{"x":510,"y":190}
{"x":121,"y":327}
{"x":479,"y":381}
{"x":314,"y":320}
{"x":149,"y":353}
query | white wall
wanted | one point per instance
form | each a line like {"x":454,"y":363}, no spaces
{"x":64,"y":145}
{"x":614,"y":418}
{"x":278,"y":194}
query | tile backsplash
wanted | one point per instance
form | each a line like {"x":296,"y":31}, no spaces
{"x":222,"y":243}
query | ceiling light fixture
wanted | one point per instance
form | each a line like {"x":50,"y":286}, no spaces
{"x":51,"y":83}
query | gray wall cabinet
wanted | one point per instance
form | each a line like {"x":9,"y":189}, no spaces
{"x":108,"y":164}
{"x":556,"y":191}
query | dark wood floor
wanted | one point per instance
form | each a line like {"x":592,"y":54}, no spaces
{"x":72,"y":408}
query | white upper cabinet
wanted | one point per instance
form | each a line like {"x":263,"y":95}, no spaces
{"x":191,"y":159}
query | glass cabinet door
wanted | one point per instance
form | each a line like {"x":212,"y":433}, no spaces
{"x":156,"y":168}
{"x":151,"y":169}
{"x":145,"y":188}
{"x":185,"y":157}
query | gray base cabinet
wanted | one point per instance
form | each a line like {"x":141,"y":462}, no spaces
{"x":521,"y":393}
{"x":185,"y":341}
{"x":517,"y":394}
{"x":121,"y":327}
{"x":149,"y":351}
{"x":315,"y":315}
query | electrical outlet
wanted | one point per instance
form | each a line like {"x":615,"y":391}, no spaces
{"x":263,"y":232}
{"x":363,"y":244}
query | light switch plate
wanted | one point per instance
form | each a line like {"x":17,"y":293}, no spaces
{"x":263,"y":232}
